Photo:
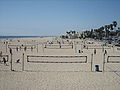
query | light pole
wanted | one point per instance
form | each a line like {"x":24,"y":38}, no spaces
{"x":37,"y":47}
{"x":11,"y":58}
{"x":43,"y":47}
{"x":23,"y":63}
{"x":75,"y":47}
{"x":6,"y":45}
{"x":11,"y":63}
{"x":104,"y":62}
{"x":91,"y":61}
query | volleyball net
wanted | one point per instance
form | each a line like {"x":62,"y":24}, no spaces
{"x":58,"y":46}
{"x":22,"y":46}
{"x":112,"y":64}
{"x":95,"y":47}
{"x":113,"y":59}
{"x":57,"y":59}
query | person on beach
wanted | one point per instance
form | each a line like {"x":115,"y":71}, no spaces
{"x":72,"y":46}
{"x":0,"y":56}
{"x":18,"y":61}
{"x":0,"y":60}
{"x":105,"y":51}
{"x":87,"y":47}
{"x":25,"y":48}
{"x":59,"y":44}
{"x":10,"y":51}
{"x":31,"y":48}
{"x":0,"y":53}
{"x":102,"y":49}
{"x":84,"y":46}
{"x":20,"y":47}
{"x":45,"y":46}
{"x":16,"y":48}
{"x":4,"y":61}
{"x":94,"y":51}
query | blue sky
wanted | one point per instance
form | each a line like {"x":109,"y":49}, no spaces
{"x":55,"y":17}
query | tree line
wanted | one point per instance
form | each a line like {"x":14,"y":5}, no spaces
{"x":104,"y":32}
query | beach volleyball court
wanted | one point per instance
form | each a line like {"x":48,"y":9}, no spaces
{"x":56,"y":63}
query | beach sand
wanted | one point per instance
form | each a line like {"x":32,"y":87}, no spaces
{"x":34,"y":75}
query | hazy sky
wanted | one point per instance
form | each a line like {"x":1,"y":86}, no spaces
{"x":55,"y":17}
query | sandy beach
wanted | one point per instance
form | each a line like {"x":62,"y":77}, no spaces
{"x":52,"y":63}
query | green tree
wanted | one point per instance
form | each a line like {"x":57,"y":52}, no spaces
{"x":107,"y":27}
{"x":111,"y":26}
{"x":114,"y":23}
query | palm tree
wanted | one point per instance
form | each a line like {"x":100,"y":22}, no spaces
{"x":92,"y":33}
{"x":87,"y":34}
{"x":101,"y":32}
{"x":106,"y":30}
{"x":114,"y":23}
{"x":68,"y":32}
{"x":71,"y":31}
{"x":97,"y":33}
{"x":108,"y":26}
{"x":111,"y":26}
{"x":118,"y":28}
{"x":102,"y":28}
